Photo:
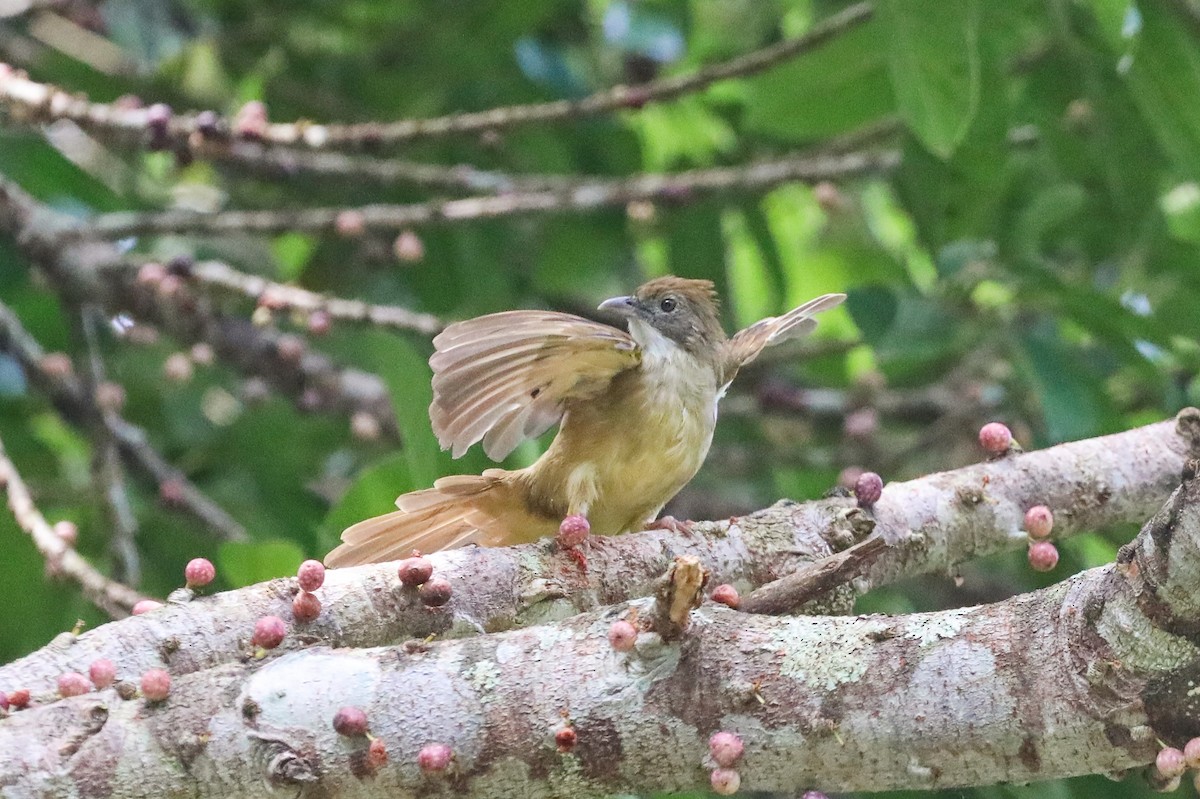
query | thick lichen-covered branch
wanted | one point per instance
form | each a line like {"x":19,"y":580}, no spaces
{"x":1080,"y":678}
{"x":930,"y":523}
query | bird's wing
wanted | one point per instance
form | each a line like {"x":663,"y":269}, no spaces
{"x":746,"y":344}
{"x":506,"y":377}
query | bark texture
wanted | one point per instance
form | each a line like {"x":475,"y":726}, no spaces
{"x":1079,"y":678}
{"x":930,"y":523}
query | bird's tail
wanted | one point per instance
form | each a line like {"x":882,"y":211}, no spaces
{"x":487,"y":509}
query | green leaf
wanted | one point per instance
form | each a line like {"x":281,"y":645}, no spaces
{"x":1073,"y":399}
{"x":933,"y":61}
{"x":373,"y":493}
{"x":249,"y":562}
{"x":838,"y":88}
{"x":1164,"y":76}
{"x":293,"y":252}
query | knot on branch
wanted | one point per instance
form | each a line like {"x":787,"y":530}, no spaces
{"x":680,"y":590}
{"x":849,"y":526}
{"x":1187,"y":425}
{"x":285,"y":765}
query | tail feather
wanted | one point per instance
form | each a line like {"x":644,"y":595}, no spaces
{"x":482,"y":509}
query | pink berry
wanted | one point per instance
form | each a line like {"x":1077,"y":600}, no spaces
{"x":409,"y":247}
{"x":208,"y":124}
{"x":57,"y":364}
{"x":573,"y":531}
{"x":867,"y":489}
{"x":995,"y":437}
{"x":251,"y":121}
{"x":565,"y":739}
{"x":156,"y":684}
{"x":1170,"y":762}
{"x":145,"y":606}
{"x":726,"y":594}
{"x":1043,"y":556}
{"x":199,"y":572}
{"x":434,"y":758}
{"x":848,"y":477}
{"x":350,"y":223}
{"x":3,"y":701}
{"x":1191,"y":753}
{"x":110,"y":396}
{"x":103,"y":672}
{"x":178,"y":368}
{"x":829,"y":197}
{"x":151,"y":273}
{"x":725,"y":747}
{"x":622,"y":635}
{"x":290,"y":348}
{"x":377,"y":756}
{"x":306,"y":607}
{"x":311,"y":575}
{"x":319,"y":322}
{"x":269,"y":632}
{"x":436,"y":592}
{"x":725,"y":781}
{"x":72,"y":683}
{"x":350,"y":721}
{"x":1039,"y":521}
{"x":68,"y":531}
{"x":415,"y":571}
{"x":158,"y":116}
{"x":19,"y":698}
{"x":365,"y":426}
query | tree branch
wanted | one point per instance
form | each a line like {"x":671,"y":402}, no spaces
{"x":86,"y":273}
{"x":222,"y":276}
{"x":80,"y":409}
{"x":583,"y":196}
{"x":61,"y":558}
{"x":931,"y":523}
{"x":39,"y":103}
{"x":1080,"y":678}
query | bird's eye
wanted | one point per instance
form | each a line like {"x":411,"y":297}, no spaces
{"x":668,"y":304}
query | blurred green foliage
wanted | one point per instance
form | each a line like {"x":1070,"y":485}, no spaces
{"x":1034,"y":255}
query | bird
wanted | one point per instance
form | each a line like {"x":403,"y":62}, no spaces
{"x":635,"y":410}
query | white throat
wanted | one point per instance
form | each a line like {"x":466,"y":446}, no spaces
{"x":655,"y":345}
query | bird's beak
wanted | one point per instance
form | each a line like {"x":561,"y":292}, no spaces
{"x":625,"y":306}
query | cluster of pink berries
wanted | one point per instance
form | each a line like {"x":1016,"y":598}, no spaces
{"x":1171,"y":764}
{"x":726,"y":749}
{"x":311,"y":576}
{"x":996,"y":438}
{"x":416,"y":572}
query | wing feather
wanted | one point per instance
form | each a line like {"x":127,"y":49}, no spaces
{"x":506,"y":377}
{"x":746,"y":344}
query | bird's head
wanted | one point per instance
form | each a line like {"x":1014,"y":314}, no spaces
{"x":682,"y":311}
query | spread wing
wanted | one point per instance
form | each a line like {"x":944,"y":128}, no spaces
{"x":746,"y":344}
{"x":506,"y":377}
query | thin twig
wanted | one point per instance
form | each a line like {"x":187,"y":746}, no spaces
{"x":314,"y":382}
{"x":582,"y":197}
{"x":114,"y":598}
{"x":814,"y":579}
{"x":34,"y":102}
{"x":280,"y":162}
{"x":107,"y":470}
{"x":282,"y":296}
{"x":78,"y":408}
